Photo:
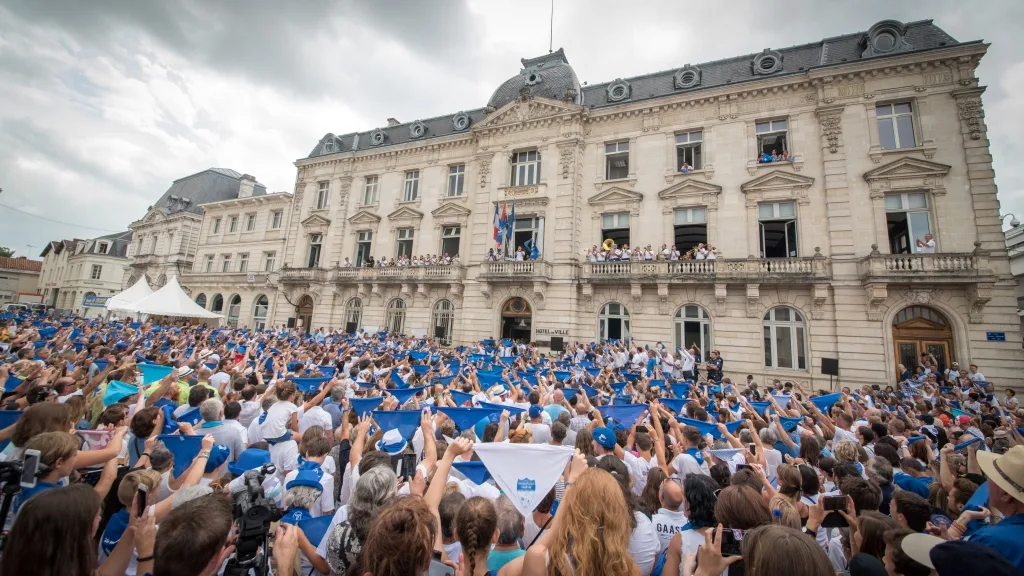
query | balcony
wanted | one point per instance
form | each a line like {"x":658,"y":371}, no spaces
{"x":143,"y":260}
{"x":224,"y":278}
{"x":515,"y":271}
{"x":303,"y":275}
{"x":740,"y":271}
{"x":399,"y":275}
{"x":940,"y":268}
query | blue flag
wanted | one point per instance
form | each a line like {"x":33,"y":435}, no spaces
{"x":405,"y":421}
{"x":184,"y":448}
{"x":363,"y":405}
{"x":624,"y":415}
{"x":475,"y":471}
{"x":153,"y":372}
{"x":704,"y":427}
{"x":460,"y":398}
{"x":192,"y":416}
{"x":117,"y":391}
{"x":790,"y":424}
{"x":569,"y":393}
{"x":827,"y":401}
{"x":308,"y":385}
{"x":327,"y":371}
{"x":512,"y":410}
{"x":761,"y":407}
{"x":618,"y":387}
{"x":465,"y":418}
{"x":675,"y":404}
{"x":404,"y":394}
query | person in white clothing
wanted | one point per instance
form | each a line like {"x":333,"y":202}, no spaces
{"x":669,"y":519}
{"x":926,"y":246}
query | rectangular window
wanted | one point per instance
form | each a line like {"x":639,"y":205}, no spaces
{"x":412,"y":185}
{"x":616,"y":227}
{"x":323,"y":195}
{"x":895,"y":126}
{"x":908,"y":222}
{"x":250,"y":222}
{"x":315,"y":243}
{"x":404,"y":242}
{"x":690,"y":227}
{"x":616,"y":160}
{"x":209,"y":263}
{"x":233,"y":224}
{"x":525,"y":168}
{"x":370,"y":191}
{"x":216,"y":225}
{"x":529,"y":233}
{"x":102,"y":248}
{"x":225,"y":263}
{"x":450,"y":237}
{"x":688,"y":151}
{"x":456,"y":179}
{"x":777,"y":224}
{"x":97,"y":271}
{"x":243,"y":262}
{"x":771,"y":140}
{"x":269,"y":259}
{"x":275,"y":219}
{"x":364,"y":241}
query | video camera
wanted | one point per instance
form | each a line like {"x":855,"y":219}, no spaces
{"x":254,"y":513}
{"x":15,"y":475}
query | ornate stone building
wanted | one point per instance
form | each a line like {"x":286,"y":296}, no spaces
{"x":880,"y":138}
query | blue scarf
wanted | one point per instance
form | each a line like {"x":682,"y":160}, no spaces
{"x":115,"y":529}
{"x":263,"y":417}
{"x":295,"y":514}
{"x":696,"y":455}
{"x":212,"y":424}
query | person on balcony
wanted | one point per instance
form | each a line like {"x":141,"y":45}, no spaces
{"x":520,"y":254}
{"x":491,"y":256}
{"x":665,"y":252}
{"x":648,"y":253}
{"x":674,"y":253}
{"x":712,"y":253}
{"x":531,"y":249}
{"x":926,"y":246}
{"x":624,"y":253}
{"x":700,"y":252}
{"x":615,"y":254}
{"x":347,"y":263}
{"x":714,"y":366}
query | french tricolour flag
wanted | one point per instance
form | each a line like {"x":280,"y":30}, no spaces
{"x":497,"y":225}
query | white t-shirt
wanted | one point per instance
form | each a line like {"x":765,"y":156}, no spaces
{"x":277,"y":420}
{"x":685,"y":464}
{"x":250,"y":411}
{"x":219,"y":379}
{"x":532,"y":530}
{"x":315,"y":416}
{"x":285,"y":456}
{"x":643,"y":544}
{"x":255,"y":431}
{"x":325,"y":503}
{"x":666,"y":524}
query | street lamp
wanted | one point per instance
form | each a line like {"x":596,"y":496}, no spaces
{"x":1013,"y":220}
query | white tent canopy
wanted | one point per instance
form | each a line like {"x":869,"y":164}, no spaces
{"x":171,"y":300}
{"x":126,"y":300}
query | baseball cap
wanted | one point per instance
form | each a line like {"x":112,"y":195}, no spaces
{"x":249,"y":459}
{"x":535,"y":411}
{"x":605,"y":437}
{"x":963,"y":420}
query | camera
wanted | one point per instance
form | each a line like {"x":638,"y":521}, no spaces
{"x":15,"y":475}
{"x":254,"y":513}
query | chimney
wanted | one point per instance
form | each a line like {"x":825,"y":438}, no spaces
{"x":246,"y":185}
{"x":393,"y":122}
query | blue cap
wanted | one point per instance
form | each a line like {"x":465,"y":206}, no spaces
{"x":307,"y":477}
{"x":605,"y":437}
{"x":535,"y":411}
{"x":249,"y":459}
{"x":218,"y":455}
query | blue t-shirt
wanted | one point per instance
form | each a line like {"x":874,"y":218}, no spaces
{"x":26,"y":493}
{"x":498,"y":558}
{"x":112,"y":533}
{"x":1005,"y":538}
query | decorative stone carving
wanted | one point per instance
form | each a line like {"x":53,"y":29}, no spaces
{"x":971,"y":113}
{"x":820,"y":298}
{"x":662,"y":298}
{"x":588,"y":295}
{"x":565,"y":161}
{"x":886,"y":37}
{"x":618,"y":90}
{"x":721,"y":292}
{"x":978,"y":296}
{"x":461,"y":121}
{"x":753,"y":300}
{"x":417,"y":130}
{"x":484,"y":168}
{"x":920,"y":295}
{"x":378,"y":137}
{"x":831,"y":128}
{"x":539,"y":288}
{"x":636,"y":293}
{"x":686,"y":77}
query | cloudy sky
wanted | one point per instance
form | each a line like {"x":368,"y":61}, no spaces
{"x":104,"y":103}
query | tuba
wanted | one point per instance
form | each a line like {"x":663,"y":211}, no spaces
{"x":608,"y":245}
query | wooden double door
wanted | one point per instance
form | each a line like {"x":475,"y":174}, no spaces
{"x":920,"y":335}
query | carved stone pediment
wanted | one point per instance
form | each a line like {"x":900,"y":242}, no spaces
{"x":778,"y":185}
{"x":364,"y":218}
{"x":315,"y":221}
{"x":690,"y":192}
{"x":616,"y":199}
{"x":526,"y":109}
{"x":908,"y":174}
{"x":451,"y":213}
{"x":405,"y":215}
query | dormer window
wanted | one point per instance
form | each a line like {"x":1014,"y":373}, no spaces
{"x":102,"y":247}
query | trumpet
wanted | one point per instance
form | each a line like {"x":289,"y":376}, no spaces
{"x":608,"y":245}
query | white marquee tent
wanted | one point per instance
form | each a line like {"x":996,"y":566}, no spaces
{"x":171,"y":300}
{"x":125,"y":301}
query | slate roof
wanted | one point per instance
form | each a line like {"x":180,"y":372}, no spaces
{"x":58,"y":246}
{"x":118,"y":244}
{"x":557,"y":76}
{"x":210,"y":185}
{"x":20,"y":264}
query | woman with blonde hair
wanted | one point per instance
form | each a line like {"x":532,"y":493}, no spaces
{"x":583,"y":538}
{"x":787,"y":509}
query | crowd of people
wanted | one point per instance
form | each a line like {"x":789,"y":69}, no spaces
{"x":385,"y":455}
{"x":405,"y":260}
{"x":612,"y":252}
{"x":766,"y":158}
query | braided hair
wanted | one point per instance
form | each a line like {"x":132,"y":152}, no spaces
{"x":475,"y":523}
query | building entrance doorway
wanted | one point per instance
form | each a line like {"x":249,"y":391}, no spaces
{"x":517,"y":320}
{"x":304,"y":313}
{"x":917,"y":330}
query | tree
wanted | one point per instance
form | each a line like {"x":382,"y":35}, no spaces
{"x":6,"y":252}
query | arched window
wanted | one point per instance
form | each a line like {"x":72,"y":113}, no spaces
{"x":395,"y":320}
{"x":613,"y":322}
{"x":442,"y":322}
{"x":785,"y":339}
{"x":259,"y":313}
{"x":217,"y":305}
{"x":201,"y":300}
{"x":234,"y":307}
{"x":353,"y":315}
{"x":693,"y":326}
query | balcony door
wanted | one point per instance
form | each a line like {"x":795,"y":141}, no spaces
{"x":517,"y":320}
{"x":917,"y":330}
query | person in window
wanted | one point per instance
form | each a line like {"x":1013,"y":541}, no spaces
{"x":926,"y":246}
{"x":787,"y":157}
{"x":766,"y":158}
{"x":665,"y":252}
{"x":491,"y":257}
{"x":685,"y":168}
{"x":347,"y":263}
{"x":615,"y":253}
{"x":520,"y":254}
{"x":712,"y":253}
{"x":531,"y":249}
{"x":674,"y":253}
{"x":648,"y":253}
{"x":447,"y":259}
{"x":601,"y":255}
{"x":775,"y":156}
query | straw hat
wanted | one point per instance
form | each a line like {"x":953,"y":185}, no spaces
{"x":1007,"y":471}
